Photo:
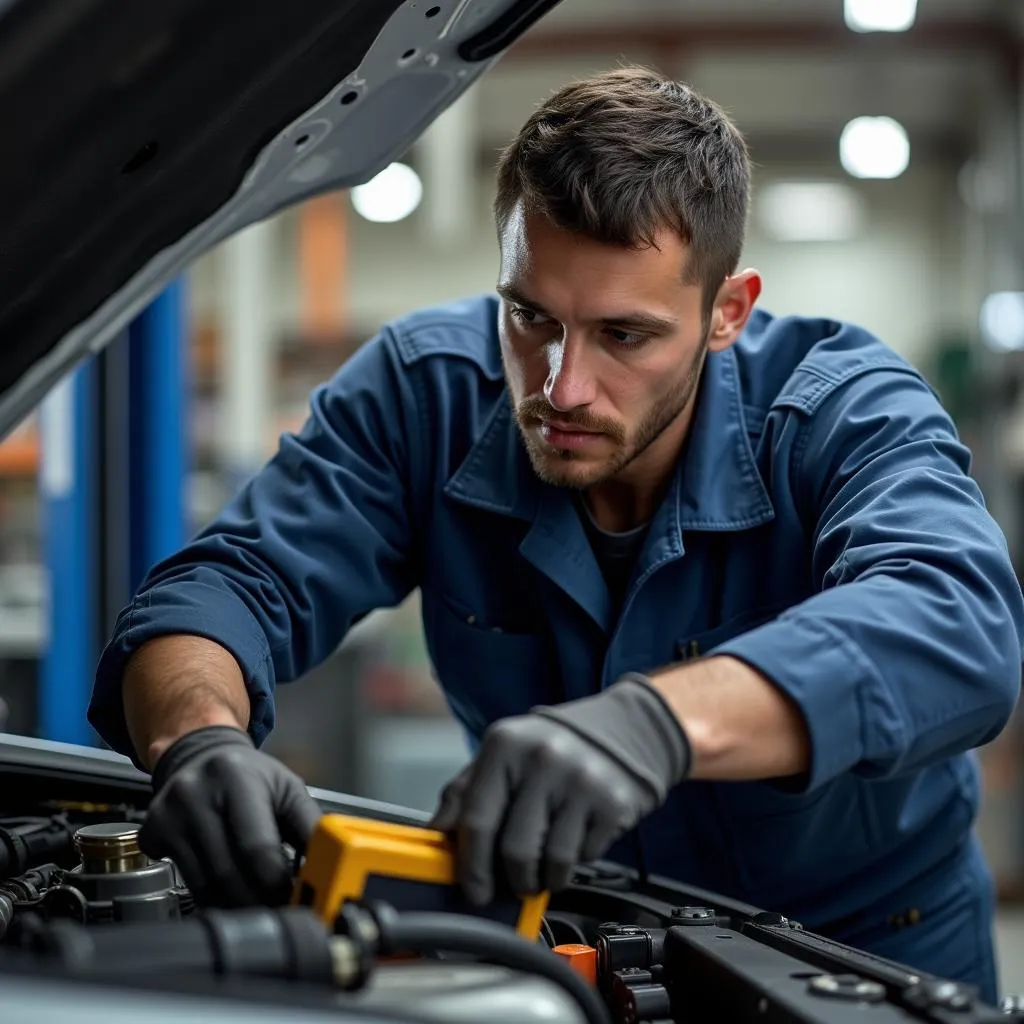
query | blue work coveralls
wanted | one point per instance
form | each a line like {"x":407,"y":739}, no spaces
{"x":820,"y":525}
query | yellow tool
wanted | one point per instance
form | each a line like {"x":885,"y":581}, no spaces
{"x":411,"y":868}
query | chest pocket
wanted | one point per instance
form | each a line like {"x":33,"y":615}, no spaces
{"x":705,"y":641}
{"x":485,"y":672}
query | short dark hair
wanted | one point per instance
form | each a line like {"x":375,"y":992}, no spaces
{"x":619,"y":155}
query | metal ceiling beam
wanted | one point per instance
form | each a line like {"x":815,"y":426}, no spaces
{"x":812,"y":149}
{"x":674,"y":40}
{"x":820,"y":148}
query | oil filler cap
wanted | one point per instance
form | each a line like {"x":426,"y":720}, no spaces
{"x":110,"y":848}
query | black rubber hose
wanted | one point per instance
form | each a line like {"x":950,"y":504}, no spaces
{"x":6,"y":914}
{"x":20,"y":851}
{"x":458,"y":933}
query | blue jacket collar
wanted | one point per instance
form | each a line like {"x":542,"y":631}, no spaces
{"x":716,"y":485}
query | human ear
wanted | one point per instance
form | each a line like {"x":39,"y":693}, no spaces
{"x":733,"y":305}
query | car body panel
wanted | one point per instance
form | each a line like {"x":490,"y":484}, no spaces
{"x":142,"y":134}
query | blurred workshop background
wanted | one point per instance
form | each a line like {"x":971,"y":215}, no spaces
{"x":888,"y":137}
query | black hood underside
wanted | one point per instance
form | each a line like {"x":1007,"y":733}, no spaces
{"x":129,"y":124}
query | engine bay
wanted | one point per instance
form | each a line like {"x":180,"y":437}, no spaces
{"x":84,"y":914}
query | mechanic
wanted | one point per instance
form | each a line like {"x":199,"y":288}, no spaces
{"x":712,"y":591}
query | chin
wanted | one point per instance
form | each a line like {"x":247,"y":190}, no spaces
{"x":566,"y":469}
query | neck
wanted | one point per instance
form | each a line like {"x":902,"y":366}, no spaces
{"x":632,"y":496}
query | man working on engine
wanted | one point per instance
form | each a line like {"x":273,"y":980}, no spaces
{"x":713,"y":590}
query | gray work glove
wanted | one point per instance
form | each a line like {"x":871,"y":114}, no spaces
{"x":220,"y":811}
{"x":556,"y":787}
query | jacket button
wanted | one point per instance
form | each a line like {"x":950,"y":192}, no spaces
{"x":470,"y":620}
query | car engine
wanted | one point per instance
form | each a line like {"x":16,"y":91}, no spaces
{"x":80,"y":904}
{"x":90,"y":873}
{"x":77,"y":893}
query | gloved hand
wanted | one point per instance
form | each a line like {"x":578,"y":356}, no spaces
{"x":557,"y":786}
{"x":220,"y":811}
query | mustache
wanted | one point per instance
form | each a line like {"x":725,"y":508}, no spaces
{"x":536,"y":408}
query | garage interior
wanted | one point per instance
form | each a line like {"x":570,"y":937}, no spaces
{"x":889,"y":191}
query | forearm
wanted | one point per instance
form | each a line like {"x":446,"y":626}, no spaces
{"x":739,"y":725}
{"x":174,"y":684}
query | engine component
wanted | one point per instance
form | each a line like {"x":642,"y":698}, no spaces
{"x":111,"y":848}
{"x":636,"y":995}
{"x":581,"y":958}
{"x":448,"y":992}
{"x":391,"y":932}
{"x":115,"y":881}
{"x":409,"y":867}
{"x":620,"y":947}
{"x":23,"y":892}
{"x":28,"y":846}
{"x":290,"y":943}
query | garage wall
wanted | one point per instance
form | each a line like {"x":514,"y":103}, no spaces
{"x":908,"y":276}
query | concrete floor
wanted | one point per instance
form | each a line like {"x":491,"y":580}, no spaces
{"x":1010,"y":950}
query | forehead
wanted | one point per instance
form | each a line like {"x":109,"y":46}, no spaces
{"x":538,"y":252}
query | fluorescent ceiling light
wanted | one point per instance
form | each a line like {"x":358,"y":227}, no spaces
{"x":1002,"y":321}
{"x":879,"y":15}
{"x":810,"y":211}
{"x":390,"y":196}
{"x":874,"y":147}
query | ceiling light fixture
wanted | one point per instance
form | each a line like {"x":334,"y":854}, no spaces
{"x":874,"y":147}
{"x":879,"y":15}
{"x":1002,"y":321}
{"x":389,"y":196}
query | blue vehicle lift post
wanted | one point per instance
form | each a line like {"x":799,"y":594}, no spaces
{"x":113,"y":493}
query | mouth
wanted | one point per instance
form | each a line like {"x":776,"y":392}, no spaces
{"x":565,"y":428}
{"x":566,"y":435}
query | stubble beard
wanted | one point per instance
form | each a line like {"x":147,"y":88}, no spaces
{"x":565,"y":468}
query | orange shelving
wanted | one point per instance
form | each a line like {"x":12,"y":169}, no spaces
{"x":19,"y":453}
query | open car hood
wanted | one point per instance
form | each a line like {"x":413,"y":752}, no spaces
{"x":139,"y":134}
{"x":41,"y":769}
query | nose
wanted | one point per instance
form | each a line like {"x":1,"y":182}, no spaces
{"x":570,"y":384}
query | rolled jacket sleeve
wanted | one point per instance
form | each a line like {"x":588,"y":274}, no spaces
{"x":320,"y":536}
{"x":911,"y":650}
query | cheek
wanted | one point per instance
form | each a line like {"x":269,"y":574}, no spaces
{"x":524,"y":361}
{"x":636,"y":389}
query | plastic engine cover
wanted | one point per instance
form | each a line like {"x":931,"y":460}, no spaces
{"x":450,"y":993}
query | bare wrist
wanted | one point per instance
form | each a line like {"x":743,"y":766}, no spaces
{"x":176,"y":684}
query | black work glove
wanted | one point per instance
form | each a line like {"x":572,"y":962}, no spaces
{"x":558,"y":786}
{"x":220,"y":811}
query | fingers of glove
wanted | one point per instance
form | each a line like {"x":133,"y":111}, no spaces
{"x":446,"y":817}
{"x":604,"y":826}
{"x":193,"y":826}
{"x":294,"y":811}
{"x":226,"y":882}
{"x":256,"y":841}
{"x":564,"y":847}
{"x":166,"y":832}
{"x":188,"y":865}
{"x":157,"y":832}
{"x":176,"y":827}
{"x":297,"y":815}
{"x":158,"y":842}
{"x":524,"y":831}
{"x":484,"y":804}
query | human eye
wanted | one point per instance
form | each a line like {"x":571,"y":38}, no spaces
{"x":627,"y":339}
{"x":526,"y":317}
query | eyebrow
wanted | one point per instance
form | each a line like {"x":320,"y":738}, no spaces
{"x":642,"y":321}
